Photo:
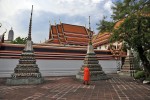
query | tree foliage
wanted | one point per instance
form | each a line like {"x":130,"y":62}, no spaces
{"x":19,"y":40}
{"x":105,"y":26}
{"x":135,"y":28}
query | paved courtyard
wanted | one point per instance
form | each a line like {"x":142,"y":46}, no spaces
{"x":68,"y":88}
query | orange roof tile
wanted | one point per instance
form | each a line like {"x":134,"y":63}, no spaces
{"x":77,"y":39}
{"x":74,"y":29}
{"x":75,"y":35}
{"x":118,"y":23}
{"x":55,"y":41}
{"x":59,"y":28}
{"x":54,"y":30}
{"x":105,"y":41}
{"x":101,"y":38}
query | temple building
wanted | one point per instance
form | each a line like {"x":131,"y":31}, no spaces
{"x":67,"y":34}
{"x":63,"y":53}
{"x":67,"y":45}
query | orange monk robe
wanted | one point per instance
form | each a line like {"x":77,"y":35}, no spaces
{"x":86,"y":74}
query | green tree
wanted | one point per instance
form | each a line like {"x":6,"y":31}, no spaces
{"x":19,"y":40}
{"x":105,"y":26}
{"x":135,"y":28}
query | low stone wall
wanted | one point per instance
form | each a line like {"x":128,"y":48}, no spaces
{"x":56,"y":67}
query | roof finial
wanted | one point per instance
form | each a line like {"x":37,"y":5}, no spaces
{"x":11,"y":28}
{"x":55,"y":22}
{"x":30,"y":25}
{"x":0,"y":24}
{"x":49,"y":26}
{"x":5,"y":31}
{"x":59,"y":20}
{"x":3,"y":35}
{"x":50,"y":23}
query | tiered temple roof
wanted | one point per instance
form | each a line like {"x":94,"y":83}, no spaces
{"x":101,"y":39}
{"x":68,"y":34}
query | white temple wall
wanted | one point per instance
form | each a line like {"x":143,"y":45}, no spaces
{"x":56,"y":67}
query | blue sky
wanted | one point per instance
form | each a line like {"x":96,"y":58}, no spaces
{"x":16,"y":14}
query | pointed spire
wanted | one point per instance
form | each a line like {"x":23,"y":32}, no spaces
{"x":89,"y":24}
{"x":11,"y":28}
{"x":90,"y":34}
{"x":30,"y":25}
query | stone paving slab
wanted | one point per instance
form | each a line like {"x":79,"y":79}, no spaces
{"x":68,"y":88}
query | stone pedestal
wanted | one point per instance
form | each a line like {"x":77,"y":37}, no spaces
{"x":91,"y":61}
{"x":23,"y":81}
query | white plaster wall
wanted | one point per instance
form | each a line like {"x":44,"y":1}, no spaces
{"x":56,"y":67}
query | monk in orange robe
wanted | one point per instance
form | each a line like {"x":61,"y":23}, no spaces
{"x":86,"y":76}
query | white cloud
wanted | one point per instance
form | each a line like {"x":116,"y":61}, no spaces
{"x":16,"y":13}
{"x":108,"y":5}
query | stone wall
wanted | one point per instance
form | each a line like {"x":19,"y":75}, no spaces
{"x":56,"y":67}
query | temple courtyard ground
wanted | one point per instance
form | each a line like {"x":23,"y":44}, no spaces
{"x":68,"y":88}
